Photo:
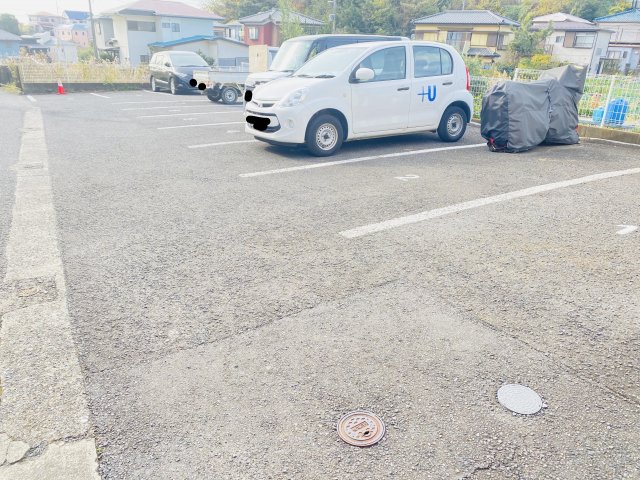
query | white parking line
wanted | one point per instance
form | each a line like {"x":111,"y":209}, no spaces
{"x":480,"y":202}
{"x":172,"y":106}
{"x":31,"y":99}
{"x":179,"y":114}
{"x":98,"y":95}
{"x":360,"y":159}
{"x":163,"y":101}
{"x":203,"y":145}
{"x":200,"y":125}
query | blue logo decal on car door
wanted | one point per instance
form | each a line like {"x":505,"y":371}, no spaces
{"x":430,"y":93}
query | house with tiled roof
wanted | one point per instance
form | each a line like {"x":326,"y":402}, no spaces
{"x":624,"y":46}
{"x":77,"y":33}
{"x":263,"y":28}
{"x":9,"y":44}
{"x":478,"y":33}
{"x":127,"y":31}
{"x":574,"y":40}
{"x":45,"y":21}
{"x":226,"y":52}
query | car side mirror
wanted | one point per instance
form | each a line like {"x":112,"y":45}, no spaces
{"x":167,"y":64}
{"x":364,"y":74}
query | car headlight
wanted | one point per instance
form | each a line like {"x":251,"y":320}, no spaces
{"x":295,"y":98}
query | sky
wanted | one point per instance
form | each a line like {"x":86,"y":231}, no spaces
{"x":20,"y":8}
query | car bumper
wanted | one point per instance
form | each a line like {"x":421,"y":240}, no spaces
{"x":286,"y":125}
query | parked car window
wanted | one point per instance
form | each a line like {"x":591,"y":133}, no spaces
{"x":187,"y":60}
{"x":330,"y":62}
{"x":431,"y":61}
{"x":387,"y":64}
{"x":291,"y":56}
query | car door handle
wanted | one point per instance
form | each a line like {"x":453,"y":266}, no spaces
{"x":403,"y":88}
{"x":446,"y":84}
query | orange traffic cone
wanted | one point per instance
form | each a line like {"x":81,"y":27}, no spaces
{"x":60,"y":88}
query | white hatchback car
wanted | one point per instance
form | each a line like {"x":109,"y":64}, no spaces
{"x":365,"y":90}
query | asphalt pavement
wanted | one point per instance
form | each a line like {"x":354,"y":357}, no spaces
{"x":224,"y":322}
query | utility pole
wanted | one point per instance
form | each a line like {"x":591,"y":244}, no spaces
{"x":93,"y":33}
{"x":334,"y":6}
{"x":464,"y":3}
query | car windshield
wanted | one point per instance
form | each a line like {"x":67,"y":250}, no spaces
{"x":291,"y":56}
{"x":329,"y":63}
{"x":187,"y":60}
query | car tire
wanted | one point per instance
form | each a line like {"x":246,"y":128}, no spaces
{"x":453,"y":124}
{"x":154,"y":86}
{"x":214,"y":96}
{"x":229,"y":95}
{"x":173,"y":88}
{"x":324,"y":136}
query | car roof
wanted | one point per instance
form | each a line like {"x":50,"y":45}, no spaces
{"x":374,"y":45}
{"x":346,"y":35}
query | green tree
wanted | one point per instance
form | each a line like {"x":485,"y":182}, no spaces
{"x":526,"y":42}
{"x":621,"y":6}
{"x":9,"y":23}
{"x":590,"y":9}
{"x":289,"y":27}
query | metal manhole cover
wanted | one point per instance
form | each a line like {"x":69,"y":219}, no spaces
{"x":361,"y":429}
{"x":519,"y":399}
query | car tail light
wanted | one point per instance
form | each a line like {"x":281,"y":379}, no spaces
{"x":468,"y":80}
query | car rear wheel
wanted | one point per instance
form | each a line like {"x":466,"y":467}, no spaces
{"x":213,"y":95}
{"x":229,"y":95}
{"x":452,"y":125}
{"x":154,"y":86}
{"x":172,"y":86}
{"x":324,"y":136}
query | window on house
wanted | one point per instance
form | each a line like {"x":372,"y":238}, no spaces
{"x":584,"y":40}
{"x":559,"y":39}
{"x":458,"y":39}
{"x":166,"y":25}
{"x":144,"y":58}
{"x":253,"y":33}
{"x":175,"y":27}
{"x":134,"y":26}
{"x":624,"y":54}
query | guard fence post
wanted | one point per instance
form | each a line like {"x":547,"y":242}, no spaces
{"x":606,"y":105}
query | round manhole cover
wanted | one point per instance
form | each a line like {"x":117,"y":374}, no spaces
{"x":361,"y":429}
{"x":519,"y":399}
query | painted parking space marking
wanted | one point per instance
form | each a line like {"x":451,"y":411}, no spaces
{"x":204,"y":105}
{"x":31,"y":99}
{"x":98,"y":95}
{"x":626,"y":229}
{"x":480,"y":202}
{"x":360,"y":159}
{"x":217,"y":144}
{"x":161,"y":101}
{"x":406,"y":178}
{"x":200,"y":125}
{"x":187,"y":113}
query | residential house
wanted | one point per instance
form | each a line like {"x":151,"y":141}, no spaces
{"x":9,"y":44}
{"x":77,"y":33}
{"x":225,"y":51}
{"x":477,"y":33}
{"x":127,"y":31}
{"x":45,"y":21}
{"x":234,"y":30}
{"x":574,"y":40}
{"x":264,"y":28}
{"x":77,"y":16}
{"x":55,"y":49}
{"x":624,"y":46}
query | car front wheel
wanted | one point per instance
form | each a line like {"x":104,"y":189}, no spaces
{"x":324,"y":136}
{"x":229,"y":96}
{"x":452,"y":125}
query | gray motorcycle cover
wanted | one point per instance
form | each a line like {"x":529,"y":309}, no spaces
{"x":517,"y":116}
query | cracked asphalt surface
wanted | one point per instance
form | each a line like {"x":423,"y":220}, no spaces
{"x":223,"y":325}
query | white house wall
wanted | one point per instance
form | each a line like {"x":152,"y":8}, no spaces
{"x":188,"y":28}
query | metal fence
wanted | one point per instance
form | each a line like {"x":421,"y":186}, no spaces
{"x":609,"y":101}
